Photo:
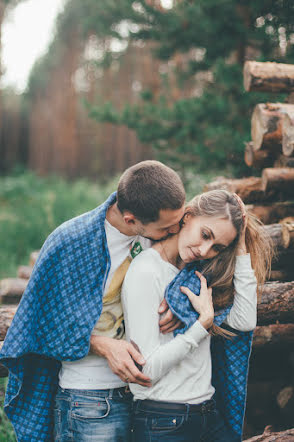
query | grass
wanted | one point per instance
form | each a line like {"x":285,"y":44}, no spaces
{"x":6,"y":430}
{"x":31,"y":207}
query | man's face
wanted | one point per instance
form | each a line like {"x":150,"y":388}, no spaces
{"x":168,"y":223}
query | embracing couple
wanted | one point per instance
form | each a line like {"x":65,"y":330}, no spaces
{"x":137,"y":320}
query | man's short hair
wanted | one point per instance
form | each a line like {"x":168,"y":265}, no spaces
{"x":146,"y":188}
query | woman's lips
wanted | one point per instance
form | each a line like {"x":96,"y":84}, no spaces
{"x":195,"y":255}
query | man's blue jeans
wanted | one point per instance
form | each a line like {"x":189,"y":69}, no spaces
{"x":162,"y":424}
{"x":92,"y":415}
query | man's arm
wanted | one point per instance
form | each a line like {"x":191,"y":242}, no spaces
{"x":120,"y":356}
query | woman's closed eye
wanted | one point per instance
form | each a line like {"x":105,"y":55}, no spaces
{"x":205,"y":235}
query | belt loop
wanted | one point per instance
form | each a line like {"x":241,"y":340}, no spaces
{"x":110,"y":393}
{"x":187,"y":410}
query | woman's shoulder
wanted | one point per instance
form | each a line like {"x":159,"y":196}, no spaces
{"x":147,"y":261}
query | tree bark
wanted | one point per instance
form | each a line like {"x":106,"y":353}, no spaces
{"x":272,"y":213}
{"x":277,"y":303}
{"x":6,"y":315}
{"x":269,"y":436}
{"x":281,"y":275}
{"x":288,"y":135}
{"x":273,"y":334}
{"x":249,"y":189}
{"x":268,"y":77}
{"x":280,"y":234}
{"x":280,"y":180}
{"x":33,"y":257}
{"x":266,"y":126}
{"x":24,"y":272}
{"x":283,"y":161}
{"x":258,"y":158}
{"x":11,"y":290}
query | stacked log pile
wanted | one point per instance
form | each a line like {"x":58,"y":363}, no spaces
{"x":270,"y":197}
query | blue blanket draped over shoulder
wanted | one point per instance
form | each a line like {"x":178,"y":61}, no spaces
{"x":58,"y":311}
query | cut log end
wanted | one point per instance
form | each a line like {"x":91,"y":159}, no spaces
{"x":268,"y":77}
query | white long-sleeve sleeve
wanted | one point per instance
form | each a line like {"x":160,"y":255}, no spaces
{"x":142,"y":295}
{"x":243,"y":314}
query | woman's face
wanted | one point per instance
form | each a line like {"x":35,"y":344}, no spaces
{"x":204,"y":237}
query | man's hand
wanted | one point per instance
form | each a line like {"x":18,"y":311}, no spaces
{"x":120,"y":356}
{"x":168,"y":323}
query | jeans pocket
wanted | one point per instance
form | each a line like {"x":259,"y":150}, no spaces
{"x":90,"y":409}
{"x":164,"y":424}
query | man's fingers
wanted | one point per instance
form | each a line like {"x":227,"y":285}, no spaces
{"x":163,"y":306}
{"x":135,"y":376}
{"x":172,"y":326}
{"x":136,"y":355}
{"x":166,"y":318}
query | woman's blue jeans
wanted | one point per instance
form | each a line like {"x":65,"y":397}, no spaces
{"x":92,"y":415}
{"x":205,"y":425}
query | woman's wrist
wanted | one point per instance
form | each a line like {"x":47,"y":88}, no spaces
{"x":206,"y":321}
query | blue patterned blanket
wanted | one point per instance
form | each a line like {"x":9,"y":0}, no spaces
{"x":55,"y":318}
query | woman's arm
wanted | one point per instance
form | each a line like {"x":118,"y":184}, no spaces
{"x":243,"y":314}
{"x":142,"y":294}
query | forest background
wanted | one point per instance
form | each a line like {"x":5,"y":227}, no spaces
{"x":123,"y":81}
{"x":126,"y":81}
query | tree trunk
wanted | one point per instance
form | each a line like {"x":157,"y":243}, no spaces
{"x":269,"y":436}
{"x":268,"y":77}
{"x":249,"y":189}
{"x":11,"y":290}
{"x":283,"y":161}
{"x":33,"y":257}
{"x":281,"y":275}
{"x":266,"y":126}
{"x":272,"y":213}
{"x":280,"y":180}
{"x":257,"y":158}
{"x":6,"y":316}
{"x":273,"y":334}
{"x":288,"y":135}
{"x":280,"y":234}
{"x":277,"y":303}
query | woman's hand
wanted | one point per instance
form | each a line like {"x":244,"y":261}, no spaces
{"x":202,"y":303}
{"x":242,"y":249}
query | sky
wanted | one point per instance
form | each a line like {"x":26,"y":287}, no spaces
{"x":26,"y":33}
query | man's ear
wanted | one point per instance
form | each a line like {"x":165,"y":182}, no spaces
{"x":129,"y":218}
{"x":186,"y":215}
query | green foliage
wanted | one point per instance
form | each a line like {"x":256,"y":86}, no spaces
{"x":6,"y":430}
{"x":208,"y":129}
{"x":31,"y":207}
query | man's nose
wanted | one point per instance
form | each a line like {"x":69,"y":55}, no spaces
{"x":174,"y":229}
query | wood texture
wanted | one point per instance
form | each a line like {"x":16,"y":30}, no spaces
{"x":258,"y":158}
{"x":269,"y":436}
{"x":266,"y":126}
{"x":279,"y":180}
{"x":272,"y":213}
{"x":288,"y":135}
{"x":268,"y":77}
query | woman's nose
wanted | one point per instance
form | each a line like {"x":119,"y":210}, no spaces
{"x":204,"y":249}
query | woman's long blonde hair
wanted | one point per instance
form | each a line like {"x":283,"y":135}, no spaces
{"x":220,"y":269}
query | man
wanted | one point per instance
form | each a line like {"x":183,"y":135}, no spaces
{"x":73,"y":297}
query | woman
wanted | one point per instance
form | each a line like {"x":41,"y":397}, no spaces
{"x":179,"y":406}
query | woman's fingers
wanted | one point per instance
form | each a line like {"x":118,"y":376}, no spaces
{"x":202,"y":279}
